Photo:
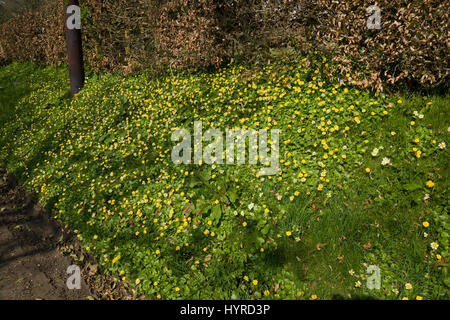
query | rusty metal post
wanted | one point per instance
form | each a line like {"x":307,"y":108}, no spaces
{"x":74,"y":47}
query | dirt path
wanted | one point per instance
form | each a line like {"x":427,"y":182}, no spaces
{"x":31,"y":265}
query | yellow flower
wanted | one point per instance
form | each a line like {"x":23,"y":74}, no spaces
{"x":157,"y":251}
{"x":255,"y":282}
{"x":244,"y":223}
{"x":419,"y":298}
{"x":266,"y":292}
{"x":177,"y":289}
{"x":313,"y":296}
{"x":430,"y":184}
{"x":138,"y":281}
{"x":426,"y":224}
{"x":288,"y":233}
{"x":367,"y":170}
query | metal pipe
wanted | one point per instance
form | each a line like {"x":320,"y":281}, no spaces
{"x":74,"y":50}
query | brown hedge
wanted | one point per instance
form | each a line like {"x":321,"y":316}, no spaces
{"x":411,"y":48}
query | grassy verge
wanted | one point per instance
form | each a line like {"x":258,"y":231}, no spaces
{"x":363,"y":181}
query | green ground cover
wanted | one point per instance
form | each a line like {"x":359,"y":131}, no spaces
{"x":363,"y":181}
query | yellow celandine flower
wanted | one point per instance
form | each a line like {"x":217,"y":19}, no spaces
{"x":244,"y":224}
{"x":138,"y":281}
{"x":266,"y":292}
{"x":157,"y":251}
{"x":367,"y":170}
{"x":419,"y":298}
{"x":177,"y":289}
{"x":288,"y":233}
{"x":430,"y":184}
{"x":313,"y":296}
{"x":426,"y":224}
{"x":255,"y":282}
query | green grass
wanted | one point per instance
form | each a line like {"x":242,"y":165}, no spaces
{"x":101,"y":163}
